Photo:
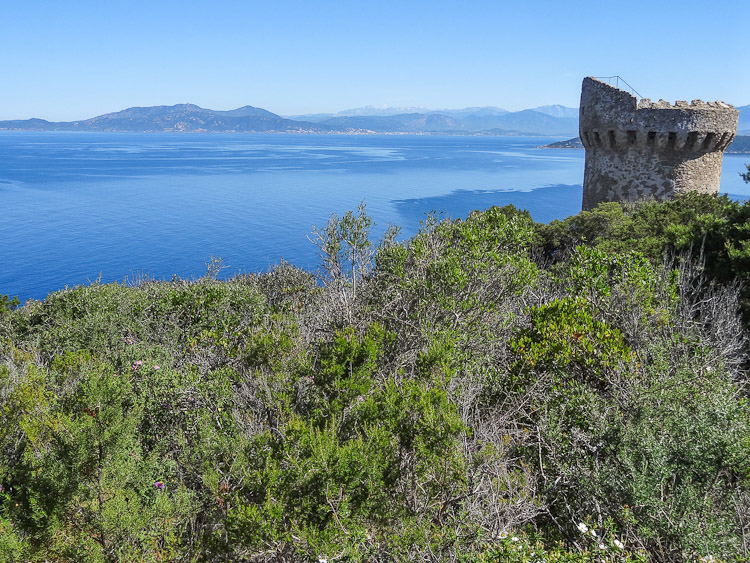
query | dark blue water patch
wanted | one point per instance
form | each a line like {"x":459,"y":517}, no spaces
{"x":545,"y":203}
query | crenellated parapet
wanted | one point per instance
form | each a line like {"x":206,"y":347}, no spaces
{"x":640,"y":149}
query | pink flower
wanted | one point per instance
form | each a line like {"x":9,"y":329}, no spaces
{"x":159,"y":485}
{"x":137,"y":364}
{"x":156,"y":368}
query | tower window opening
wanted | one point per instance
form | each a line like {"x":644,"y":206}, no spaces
{"x":598,"y":138}
{"x":671,"y":140}
{"x":611,"y":139}
{"x":631,"y":137}
{"x":651,"y":138}
{"x":708,"y":140}
{"x":692,"y":139}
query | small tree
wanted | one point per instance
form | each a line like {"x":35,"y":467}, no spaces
{"x":746,"y":176}
{"x":345,"y":246}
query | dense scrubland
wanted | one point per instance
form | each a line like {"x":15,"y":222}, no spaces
{"x":490,"y":390}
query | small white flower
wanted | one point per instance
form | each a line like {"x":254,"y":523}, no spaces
{"x":618,"y":544}
{"x":503,"y":535}
{"x":593,"y":533}
{"x":514,"y":538}
{"x":602,"y":546}
{"x":322,"y":559}
{"x":583,"y":527}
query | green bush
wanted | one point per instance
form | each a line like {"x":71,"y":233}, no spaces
{"x":714,"y":229}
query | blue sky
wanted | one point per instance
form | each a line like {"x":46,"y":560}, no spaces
{"x":77,"y":59}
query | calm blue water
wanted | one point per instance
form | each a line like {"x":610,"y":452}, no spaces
{"x":79,"y":205}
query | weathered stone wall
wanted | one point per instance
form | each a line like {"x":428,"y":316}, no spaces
{"x":646,"y":149}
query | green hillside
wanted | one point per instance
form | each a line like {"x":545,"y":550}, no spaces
{"x":490,"y":390}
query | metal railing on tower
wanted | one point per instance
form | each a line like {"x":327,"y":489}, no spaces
{"x":618,"y":80}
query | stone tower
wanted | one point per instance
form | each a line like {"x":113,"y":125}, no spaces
{"x":640,"y":149}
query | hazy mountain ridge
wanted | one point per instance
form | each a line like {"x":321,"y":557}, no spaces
{"x":192,"y":118}
{"x":403,"y":123}
{"x":558,"y":111}
{"x":743,"y":127}
{"x":372,"y":111}
{"x":180,"y":117}
{"x":546,"y":120}
{"x":554,"y":120}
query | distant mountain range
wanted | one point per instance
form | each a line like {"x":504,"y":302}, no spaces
{"x":743,"y":127}
{"x":553,"y":120}
{"x":179,"y":118}
{"x":547,"y":120}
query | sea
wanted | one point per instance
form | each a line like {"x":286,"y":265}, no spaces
{"x":77,"y":208}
